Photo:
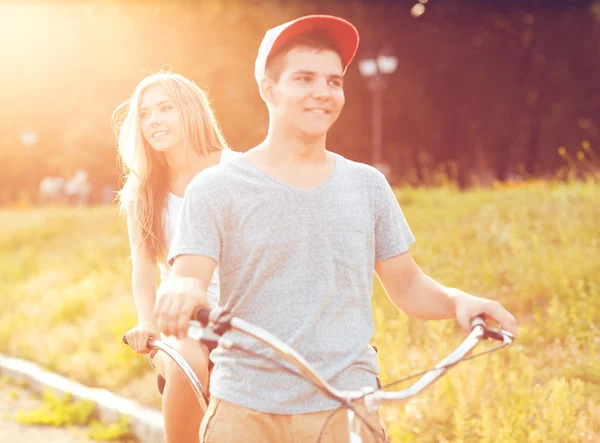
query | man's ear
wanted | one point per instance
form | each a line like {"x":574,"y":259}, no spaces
{"x":266,"y":88}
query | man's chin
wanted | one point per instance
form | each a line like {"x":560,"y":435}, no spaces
{"x":315,"y":132}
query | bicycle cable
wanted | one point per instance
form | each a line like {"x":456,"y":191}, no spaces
{"x":327,"y":420}
{"x":363,"y":419}
{"x":296,"y":373}
{"x":448,"y":365}
{"x":287,"y":369}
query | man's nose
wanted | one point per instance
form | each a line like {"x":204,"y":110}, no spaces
{"x":321,"y":90}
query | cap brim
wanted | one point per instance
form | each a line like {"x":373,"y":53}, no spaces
{"x":342,"y":32}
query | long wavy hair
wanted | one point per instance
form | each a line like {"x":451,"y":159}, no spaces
{"x":144,"y":170}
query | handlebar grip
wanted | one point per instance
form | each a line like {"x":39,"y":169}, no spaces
{"x":202,"y":315}
{"x":478,"y":321}
{"x":494,"y":334}
{"x":125,"y":341}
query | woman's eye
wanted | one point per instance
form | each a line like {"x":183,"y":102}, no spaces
{"x":166,"y":108}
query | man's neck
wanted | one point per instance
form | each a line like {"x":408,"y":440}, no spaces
{"x":287,"y":147}
{"x":297,"y":161}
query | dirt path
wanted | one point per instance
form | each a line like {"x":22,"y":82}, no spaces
{"x":13,"y":399}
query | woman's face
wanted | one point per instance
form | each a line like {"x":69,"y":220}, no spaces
{"x":160,"y":119}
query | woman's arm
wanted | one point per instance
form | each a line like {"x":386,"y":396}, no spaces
{"x":143,"y":278}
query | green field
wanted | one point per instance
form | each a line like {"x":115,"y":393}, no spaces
{"x":66,"y":301}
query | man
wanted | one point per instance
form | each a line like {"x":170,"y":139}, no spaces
{"x":298,"y":232}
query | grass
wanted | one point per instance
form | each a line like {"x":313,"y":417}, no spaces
{"x":536,"y":248}
{"x":63,"y":411}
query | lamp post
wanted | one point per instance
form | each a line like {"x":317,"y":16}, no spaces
{"x":375,"y":70}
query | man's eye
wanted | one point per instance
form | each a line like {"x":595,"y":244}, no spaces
{"x":304,"y":79}
{"x":335,"y":83}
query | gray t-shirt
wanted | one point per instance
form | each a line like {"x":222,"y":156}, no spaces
{"x":298,"y":263}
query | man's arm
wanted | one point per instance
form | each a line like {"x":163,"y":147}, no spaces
{"x":412,"y":291}
{"x":183,"y":293}
{"x":420,"y":296}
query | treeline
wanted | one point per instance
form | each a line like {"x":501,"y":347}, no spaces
{"x":482,"y":87}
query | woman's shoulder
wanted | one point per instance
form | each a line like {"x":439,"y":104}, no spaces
{"x":228,"y":154}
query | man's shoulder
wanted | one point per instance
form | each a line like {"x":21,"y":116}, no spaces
{"x":358,"y":170}
{"x":215,"y":177}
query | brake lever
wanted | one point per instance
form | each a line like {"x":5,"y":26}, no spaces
{"x":500,"y":335}
{"x":495,"y":334}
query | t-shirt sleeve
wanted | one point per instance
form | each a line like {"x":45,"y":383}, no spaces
{"x":392,"y":233}
{"x":198,"y":231}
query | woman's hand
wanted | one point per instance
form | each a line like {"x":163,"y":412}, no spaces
{"x":138,"y":336}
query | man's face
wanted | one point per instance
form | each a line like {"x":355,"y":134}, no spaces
{"x":309,"y":94}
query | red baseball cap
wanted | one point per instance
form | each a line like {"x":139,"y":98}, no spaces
{"x":343,"y":33}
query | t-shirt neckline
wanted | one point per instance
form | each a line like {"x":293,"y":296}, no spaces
{"x":293,"y":188}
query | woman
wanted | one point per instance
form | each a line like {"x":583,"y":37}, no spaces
{"x":167,"y":136}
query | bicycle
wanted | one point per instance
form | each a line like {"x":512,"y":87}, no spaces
{"x":210,"y":326}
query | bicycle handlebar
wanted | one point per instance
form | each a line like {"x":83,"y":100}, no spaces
{"x":210,"y":325}
{"x":183,"y":365}
{"x":221,"y":321}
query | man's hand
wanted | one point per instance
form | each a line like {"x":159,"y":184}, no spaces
{"x":176,"y":301}
{"x":468,"y":306}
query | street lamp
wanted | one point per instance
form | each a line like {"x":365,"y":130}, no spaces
{"x":375,"y":70}
{"x":29,"y":138}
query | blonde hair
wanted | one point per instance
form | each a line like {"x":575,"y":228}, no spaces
{"x":145,"y":170}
